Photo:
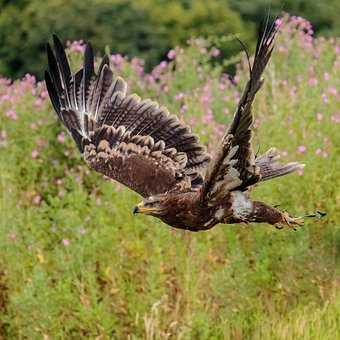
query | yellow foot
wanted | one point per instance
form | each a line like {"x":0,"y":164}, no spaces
{"x":290,"y":222}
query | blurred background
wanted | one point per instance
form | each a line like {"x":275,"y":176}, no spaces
{"x":147,"y":29}
{"x":76,"y":264}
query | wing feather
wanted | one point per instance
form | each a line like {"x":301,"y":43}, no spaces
{"x":134,"y":141}
{"x":239,"y":133}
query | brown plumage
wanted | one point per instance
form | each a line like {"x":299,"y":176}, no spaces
{"x":137,"y":143}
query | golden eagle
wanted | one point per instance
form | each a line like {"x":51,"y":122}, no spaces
{"x":137,"y":143}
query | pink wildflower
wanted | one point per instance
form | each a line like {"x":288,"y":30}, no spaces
{"x":138,"y":65}
{"x":335,"y":118}
{"x":301,"y":149}
{"x":36,"y":199}
{"x":61,"y":137}
{"x":278,"y":22}
{"x":66,"y":242}
{"x":34,"y":154}
{"x":221,"y":87}
{"x":332,"y":90}
{"x":38,"y":102}
{"x":184,"y":108}
{"x":319,"y":116}
{"x":77,"y":46}
{"x":11,"y":114}
{"x":29,"y":79}
{"x":179,"y":96}
{"x":44,"y":94}
{"x":208,"y":117}
{"x":318,"y":152}
{"x":172,"y":54}
{"x":215,"y":52}
{"x":117,"y":60}
{"x":312,"y":81}
{"x":6,"y":97}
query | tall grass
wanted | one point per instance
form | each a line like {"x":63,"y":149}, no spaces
{"x":75,"y":263}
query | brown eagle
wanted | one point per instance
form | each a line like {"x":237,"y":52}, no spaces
{"x":137,"y":143}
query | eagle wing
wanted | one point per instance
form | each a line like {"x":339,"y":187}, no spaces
{"x":234,"y":166}
{"x":133,"y":141}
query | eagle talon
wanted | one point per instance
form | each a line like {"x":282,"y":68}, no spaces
{"x":290,"y":222}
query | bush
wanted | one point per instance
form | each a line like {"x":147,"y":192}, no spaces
{"x":147,"y":29}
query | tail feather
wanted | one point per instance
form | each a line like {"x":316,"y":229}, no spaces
{"x":271,"y":168}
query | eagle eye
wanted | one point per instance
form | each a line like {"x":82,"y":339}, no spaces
{"x":178,"y":175}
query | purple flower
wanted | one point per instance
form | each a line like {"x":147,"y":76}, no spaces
{"x":179,"y":96}
{"x":34,"y":154}
{"x":61,"y":137}
{"x":313,"y":81}
{"x":335,"y":118}
{"x":318,"y":152}
{"x":184,"y":108}
{"x":215,"y":52}
{"x":324,"y":98}
{"x":319,"y":116}
{"x":38,"y":102}
{"x":332,"y":90}
{"x":36,"y":199}
{"x":172,"y":54}
{"x":11,"y":114}
{"x":117,"y":60}
{"x":77,"y":46}
{"x":301,"y":149}
{"x":66,"y":242}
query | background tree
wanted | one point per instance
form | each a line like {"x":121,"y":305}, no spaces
{"x":147,"y":28}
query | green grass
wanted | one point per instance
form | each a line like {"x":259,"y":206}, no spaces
{"x":75,"y":263}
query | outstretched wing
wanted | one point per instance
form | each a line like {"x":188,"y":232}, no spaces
{"x":234,"y":165}
{"x":131,"y":140}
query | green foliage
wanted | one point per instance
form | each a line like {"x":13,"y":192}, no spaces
{"x":324,"y":15}
{"x":75,"y":263}
{"x":117,"y":24}
{"x":147,"y":29}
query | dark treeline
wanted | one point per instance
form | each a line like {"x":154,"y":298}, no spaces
{"x":145,"y":28}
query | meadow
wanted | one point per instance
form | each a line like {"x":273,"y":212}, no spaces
{"x":75,"y":263}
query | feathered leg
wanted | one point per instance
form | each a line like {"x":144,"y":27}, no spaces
{"x":262,"y":212}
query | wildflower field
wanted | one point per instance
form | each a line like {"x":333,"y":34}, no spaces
{"x":75,"y":263}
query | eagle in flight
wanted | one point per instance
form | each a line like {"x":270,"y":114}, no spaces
{"x":139,"y":144}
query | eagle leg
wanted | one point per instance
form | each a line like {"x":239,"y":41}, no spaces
{"x":288,"y":221}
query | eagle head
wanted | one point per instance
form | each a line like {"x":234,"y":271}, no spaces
{"x":153,"y":205}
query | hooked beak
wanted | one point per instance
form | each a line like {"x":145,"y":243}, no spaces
{"x":140,"y":208}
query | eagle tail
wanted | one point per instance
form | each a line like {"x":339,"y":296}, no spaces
{"x":271,"y":168}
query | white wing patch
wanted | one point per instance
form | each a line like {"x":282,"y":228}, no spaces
{"x":241,"y":205}
{"x":219,"y":213}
